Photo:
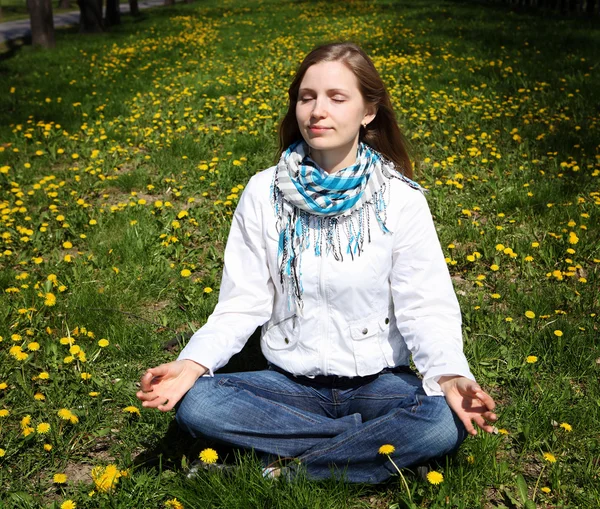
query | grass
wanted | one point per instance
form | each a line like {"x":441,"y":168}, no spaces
{"x":122,"y":157}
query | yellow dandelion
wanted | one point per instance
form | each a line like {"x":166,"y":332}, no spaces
{"x":64,"y":414}
{"x":132,"y":410}
{"x":2,"y":453}
{"x":93,"y":394}
{"x":545,"y":489}
{"x":44,"y":375}
{"x":531,"y":359}
{"x":549,"y":457}
{"x":386,"y":449}
{"x":43,"y":428}
{"x":558,"y":333}
{"x":186,"y":273}
{"x":103,"y":343}
{"x":25,"y":421}
{"x":208,"y":290}
{"x":174,"y":504}
{"x":529,"y":314}
{"x":60,"y":478}
{"x":470,"y":459}
{"x":28,"y":431}
{"x":435,"y":477}
{"x":209,"y":456}
{"x":503,"y":431}
{"x":34,"y":346}
{"x":566,"y":426}
{"x":50,"y":299}
{"x":4,"y":412}
{"x":47,"y":447}
{"x":105,"y":478}
{"x":68,"y":504}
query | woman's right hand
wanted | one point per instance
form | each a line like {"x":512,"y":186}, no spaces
{"x":163,"y":386}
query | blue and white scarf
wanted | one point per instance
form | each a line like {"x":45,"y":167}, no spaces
{"x":309,"y":202}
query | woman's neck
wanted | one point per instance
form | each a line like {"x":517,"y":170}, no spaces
{"x":334,"y":160}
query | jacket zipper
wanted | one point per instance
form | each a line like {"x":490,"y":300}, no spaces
{"x":324,"y":347}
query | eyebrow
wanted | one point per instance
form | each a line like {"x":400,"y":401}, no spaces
{"x":343,"y":91}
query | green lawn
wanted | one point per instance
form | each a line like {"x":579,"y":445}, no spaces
{"x":122,"y":157}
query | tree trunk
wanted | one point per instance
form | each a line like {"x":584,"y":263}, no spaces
{"x":134,"y":10}
{"x":90,"y":18}
{"x":64,"y":4}
{"x":42,"y":23}
{"x":113,"y":13}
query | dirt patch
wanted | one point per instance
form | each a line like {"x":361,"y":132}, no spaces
{"x":79,"y":473}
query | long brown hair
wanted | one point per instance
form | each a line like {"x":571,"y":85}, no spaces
{"x":382,"y":133}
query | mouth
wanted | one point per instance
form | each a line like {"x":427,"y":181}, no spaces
{"x":318,"y":129}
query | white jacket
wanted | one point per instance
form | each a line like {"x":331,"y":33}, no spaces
{"x":360,"y":315}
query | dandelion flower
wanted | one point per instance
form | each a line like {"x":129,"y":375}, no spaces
{"x":558,"y":333}
{"x":2,"y":453}
{"x":435,"y":477}
{"x":47,"y":447}
{"x":529,"y":314}
{"x":566,"y":426}
{"x":470,"y":459}
{"x":386,"y":449}
{"x":50,"y":299}
{"x":34,"y":346}
{"x":208,"y":290}
{"x":132,"y":410}
{"x":68,"y":504}
{"x":64,"y":414}
{"x":4,"y":412}
{"x":105,"y":478}
{"x":549,"y":457}
{"x":531,"y":359}
{"x":209,"y":456}
{"x":546,"y":490}
{"x":103,"y":343}
{"x":43,"y":428}
{"x":60,"y":478}
{"x":186,"y":273}
{"x":174,"y":504}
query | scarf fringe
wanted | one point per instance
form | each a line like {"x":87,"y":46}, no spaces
{"x":296,"y":227}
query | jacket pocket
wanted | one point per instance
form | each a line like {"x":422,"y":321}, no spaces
{"x":368,"y":327}
{"x":283,"y":334}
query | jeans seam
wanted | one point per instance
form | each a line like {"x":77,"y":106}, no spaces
{"x":363,"y":430}
{"x":226,"y":381}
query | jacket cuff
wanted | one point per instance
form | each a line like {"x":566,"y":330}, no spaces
{"x":432,"y":387}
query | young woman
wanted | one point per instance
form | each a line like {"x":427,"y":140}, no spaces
{"x":333,"y":252}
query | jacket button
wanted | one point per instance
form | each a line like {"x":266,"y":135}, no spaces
{"x":387,"y":320}
{"x":365,"y":330}
{"x":287,"y":341}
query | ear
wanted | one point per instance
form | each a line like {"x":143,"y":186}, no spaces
{"x":370,"y":114}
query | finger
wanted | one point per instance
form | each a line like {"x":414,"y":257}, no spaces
{"x":490,"y":416}
{"x":146,"y":396}
{"x":486,"y":399}
{"x":155,"y":403}
{"x":466,"y":420}
{"x":145,"y":381}
{"x":484,"y":425}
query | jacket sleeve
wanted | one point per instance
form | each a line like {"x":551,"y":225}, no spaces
{"x":246,"y":293}
{"x":426,"y":308}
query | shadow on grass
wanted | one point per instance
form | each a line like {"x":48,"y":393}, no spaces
{"x":169,"y":451}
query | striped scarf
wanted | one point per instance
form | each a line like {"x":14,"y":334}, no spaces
{"x":310,"y":203}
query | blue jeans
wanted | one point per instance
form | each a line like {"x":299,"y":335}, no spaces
{"x":330,"y":430}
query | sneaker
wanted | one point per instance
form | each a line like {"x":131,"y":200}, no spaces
{"x":199,"y":465}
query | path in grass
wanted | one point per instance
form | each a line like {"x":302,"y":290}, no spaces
{"x":123,"y":155}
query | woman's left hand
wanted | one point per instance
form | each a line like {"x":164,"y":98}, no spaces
{"x":469,"y":402}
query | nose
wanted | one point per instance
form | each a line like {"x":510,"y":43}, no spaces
{"x":318,"y":110}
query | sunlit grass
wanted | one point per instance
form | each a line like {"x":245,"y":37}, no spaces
{"x":122,"y":157}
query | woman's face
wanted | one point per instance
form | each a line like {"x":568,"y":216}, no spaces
{"x":330,"y":110}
